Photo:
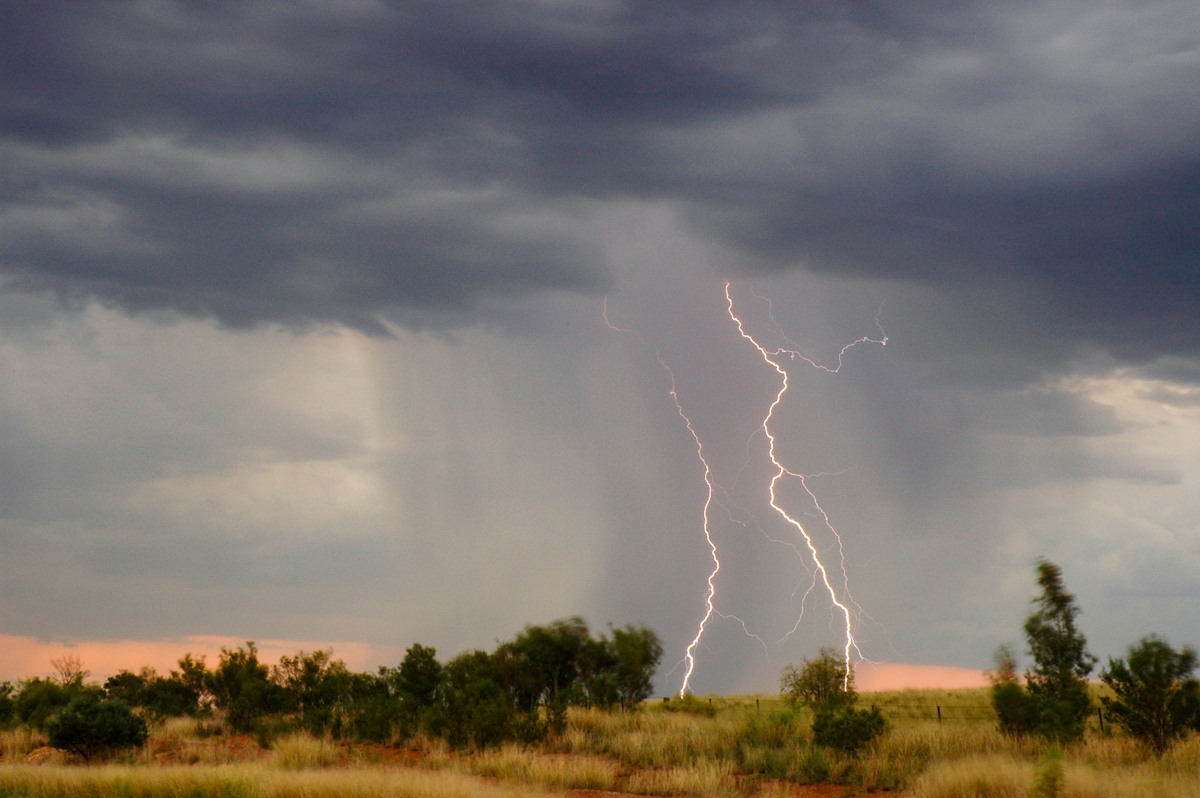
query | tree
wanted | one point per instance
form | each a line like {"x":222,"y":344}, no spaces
{"x":241,"y":686}
{"x":479,"y":712}
{"x":90,"y":727}
{"x":317,"y":687}
{"x":637,"y":651}
{"x":542,"y":664}
{"x":38,"y":699}
{"x":1057,"y":683}
{"x":1156,"y":697}
{"x":419,"y":676}
{"x":822,"y":683}
{"x":69,"y":670}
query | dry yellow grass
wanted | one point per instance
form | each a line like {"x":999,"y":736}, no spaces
{"x":522,"y":765}
{"x":711,"y":779}
{"x":248,"y":781}
{"x":652,"y":751}
{"x":301,"y":751}
{"x":994,"y":776}
{"x":15,"y":744}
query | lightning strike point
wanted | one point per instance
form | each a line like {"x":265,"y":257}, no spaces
{"x":772,"y":357}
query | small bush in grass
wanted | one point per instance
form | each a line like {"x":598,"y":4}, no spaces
{"x":690,"y":704}
{"x":90,"y":728}
{"x":1048,"y":777}
{"x":847,"y":729}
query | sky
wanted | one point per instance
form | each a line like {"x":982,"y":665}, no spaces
{"x":356,"y":324}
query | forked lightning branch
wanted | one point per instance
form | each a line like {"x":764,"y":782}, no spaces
{"x":835,"y":586}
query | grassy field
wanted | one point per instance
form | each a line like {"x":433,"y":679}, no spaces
{"x":723,"y":747}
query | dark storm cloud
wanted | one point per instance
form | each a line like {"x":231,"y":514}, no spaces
{"x":448,"y":147}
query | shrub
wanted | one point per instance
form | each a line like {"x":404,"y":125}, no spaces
{"x":1156,"y":697}
{"x":847,"y":729}
{"x":823,"y":682}
{"x":39,"y":699}
{"x":1048,"y":777}
{"x":8,"y":704}
{"x":691,"y":705}
{"x":1009,"y":698}
{"x":89,"y":727}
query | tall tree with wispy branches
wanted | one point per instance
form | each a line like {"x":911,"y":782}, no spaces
{"x":1057,"y":682}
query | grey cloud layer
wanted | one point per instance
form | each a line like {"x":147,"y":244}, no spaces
{"x":291,"y":162}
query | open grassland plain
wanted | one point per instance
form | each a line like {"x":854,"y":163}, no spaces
{"x":940,"y":744}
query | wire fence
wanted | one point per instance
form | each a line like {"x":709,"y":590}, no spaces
{"x":940,"y":713}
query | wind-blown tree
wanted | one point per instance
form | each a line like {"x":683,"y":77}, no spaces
{"x":1057,"y":682}
{"x":637,"y":652}
{"x":1157,"y":699}
{"x":561,"y":663}
{"x":542,"y":664}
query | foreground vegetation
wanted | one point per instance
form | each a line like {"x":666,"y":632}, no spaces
{"x":556,"y":710}
{"x":725,"y":748}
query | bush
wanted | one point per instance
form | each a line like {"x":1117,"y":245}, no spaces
{"x":8,"y":704}
{"x":90,"y":728}
{"x":1156,"y":697}
{"x":1011,"y":701}
{"x":39,"y":699}
{"x":847,"y":729}
{"x":689,"y":704}
{"x":825,"y":682}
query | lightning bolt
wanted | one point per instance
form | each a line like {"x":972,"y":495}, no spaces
{"x":820,"y":574}
{"x":689,"y":659}
{"x":709,"y":605}
{"x":771,"y":357}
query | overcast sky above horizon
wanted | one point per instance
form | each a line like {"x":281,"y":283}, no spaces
{"x":302,"y":326}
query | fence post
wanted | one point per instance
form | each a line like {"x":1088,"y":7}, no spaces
{"x":1100,"y":717}
{"x":939,"y":709}
{"x":757,"y":706}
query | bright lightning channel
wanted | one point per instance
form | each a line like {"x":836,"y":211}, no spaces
{"x":710,"y":609}
{"x":781,"y":471}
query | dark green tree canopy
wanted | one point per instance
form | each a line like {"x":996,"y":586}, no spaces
{"x":1157,"y":699}
{"x":419,"y":675}
{"x":91,"y":728}
{"x":1058,"y":648}
{"x":1057,"y":681}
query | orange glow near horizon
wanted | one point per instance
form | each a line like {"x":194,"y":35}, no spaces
{"x":878,"y":677}
{"x":25,"y":657}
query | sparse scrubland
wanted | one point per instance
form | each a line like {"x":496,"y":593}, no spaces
{"x":555,"y":711}
{"x":753,"y":746}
